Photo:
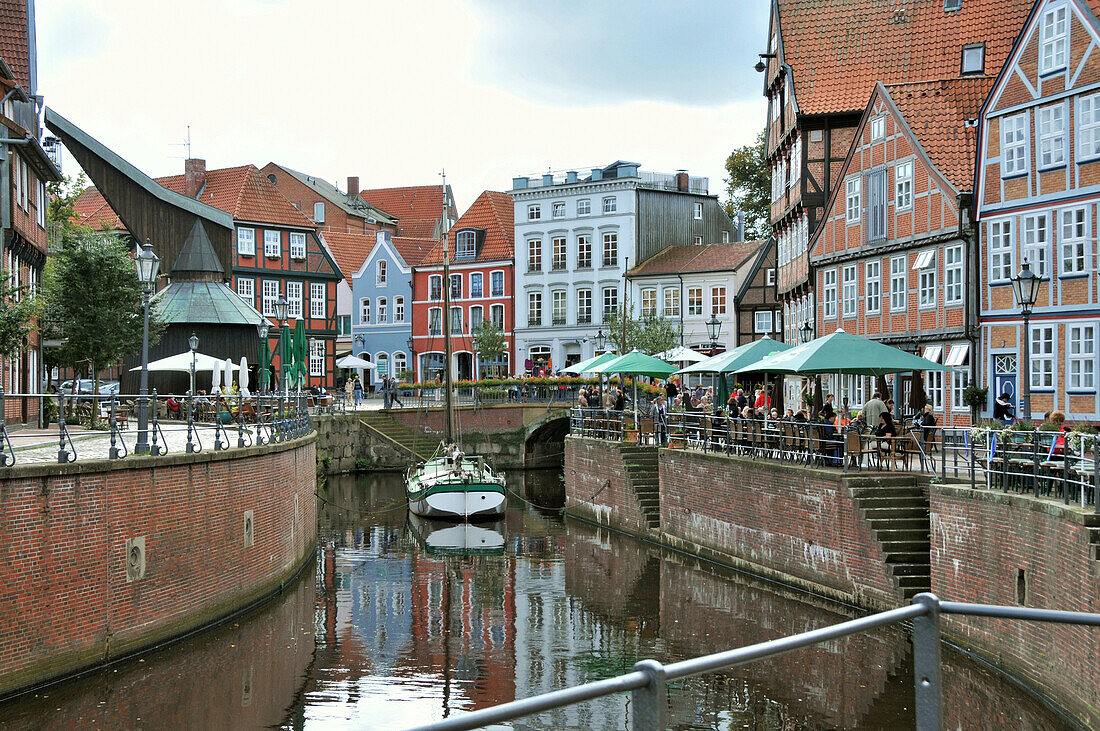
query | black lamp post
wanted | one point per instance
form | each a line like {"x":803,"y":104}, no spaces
{"x":147,"y":264}
{"x":412,"y":355}
{"x":806,"y":332}
{"x":714,"y":330}
{"x":264,"y":370}
{"x":601,"y":341}
{"x":281,"y":307}
{"x":192,"y":341}
{"x":1025,"y":288}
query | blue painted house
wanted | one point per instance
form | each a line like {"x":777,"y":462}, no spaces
{"x":381,"y":304}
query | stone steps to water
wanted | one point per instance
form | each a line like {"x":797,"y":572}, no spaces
{"x":891,"y":513}
{"x":640,"y":466}
{"x":899,"y":519}
{"x":414,"y":442}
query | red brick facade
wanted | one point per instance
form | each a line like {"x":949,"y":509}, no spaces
{"x":1039,"y":185}
{"x":65,"y":598}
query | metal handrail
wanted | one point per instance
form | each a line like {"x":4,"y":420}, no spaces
{"x":647,"y":682}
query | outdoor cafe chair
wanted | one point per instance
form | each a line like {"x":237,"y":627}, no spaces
{"x":856,"y":447}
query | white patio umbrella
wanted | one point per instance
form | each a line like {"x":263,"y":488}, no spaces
{"x":352,"y":361}
{"x":242,"y":377}
{"x":680,"y":354}
{"x":181,"y":363}
{"x":216,"y":380}
{"x":227,"y":371}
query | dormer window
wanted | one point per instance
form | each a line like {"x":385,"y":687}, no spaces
{"x":950,"y":6}
{"x":973,"y":59}
{"x":466,"y":245}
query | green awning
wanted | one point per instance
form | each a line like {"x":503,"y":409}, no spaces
{"x":636,"y":363}
{"x":738,"y":358}
{"x":585,"y":366}
{"x":844,"y":353}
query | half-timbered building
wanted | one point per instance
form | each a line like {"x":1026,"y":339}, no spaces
{"x":1038,"y":189}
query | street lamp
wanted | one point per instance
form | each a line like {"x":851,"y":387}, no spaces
{"x":264,"y":364}
{"x":806,"y":332}
{"x":147,"y":264}
{"x":281,"y":307}
{"x":601,"y":341}
{"x":714,"y":330}
{"x":192,"y":341}
{"x":1025,"y":288}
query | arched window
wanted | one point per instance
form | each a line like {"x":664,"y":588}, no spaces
{"x":435,"y":287}
{"x":466,"y":246}
{"x":383,"y":310}
{"x":399,"y":365}
{"x":382,"y":360}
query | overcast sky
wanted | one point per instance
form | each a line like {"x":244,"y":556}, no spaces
{"x":396,"y":91}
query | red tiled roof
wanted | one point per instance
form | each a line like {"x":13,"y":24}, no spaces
{"x":414,"y":250}
{"x":417,"y":207}
{"x":349,"y":250}
{"x":838,"y":49}
{"x":244,"y":193}
{"x":14,"y":42}
{"x":707,"y":258}
{"x":493,"y":213}
{"x":92,"y":209}
{"x":937,"y":113}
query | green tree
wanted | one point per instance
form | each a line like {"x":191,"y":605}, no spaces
{"x":92,"y":301}
{"x":650,"y":334}
{"x":748,"y":187}
{"x":18,"y":309}
{"x":63,"y":195}
{"x":489,"y":341}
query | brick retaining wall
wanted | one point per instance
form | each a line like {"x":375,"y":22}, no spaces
{"x":596,"y":487}
{"x":66,"y":601}
{"x":981,"y":540}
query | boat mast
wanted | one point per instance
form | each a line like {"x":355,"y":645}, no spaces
{"x":444,"y":227}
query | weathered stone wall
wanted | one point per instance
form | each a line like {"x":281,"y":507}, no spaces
{"x":220,"y":530}
{"x":597,"y":488}
{"x":989,"y":547}
{"x":344,"y":445}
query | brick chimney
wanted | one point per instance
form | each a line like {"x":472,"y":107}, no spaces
{"x":682,"y":180}
{"x":194,"y":177}
{"x":353,"y":185}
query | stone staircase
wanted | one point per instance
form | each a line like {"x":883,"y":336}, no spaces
{"x":641,"y":472}
{"x":416,"y":443}
{"x":898,"y":515}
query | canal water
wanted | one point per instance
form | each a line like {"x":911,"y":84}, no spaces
{"x":404,"y":622}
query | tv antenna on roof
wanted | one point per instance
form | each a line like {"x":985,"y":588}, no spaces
{"x":186,"y":143}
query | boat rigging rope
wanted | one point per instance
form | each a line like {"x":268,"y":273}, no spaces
{"x":382,"y":511}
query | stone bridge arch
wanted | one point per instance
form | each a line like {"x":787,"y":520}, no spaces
{"x":544,"y":440}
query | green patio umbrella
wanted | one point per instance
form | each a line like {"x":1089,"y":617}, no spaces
{"x":639,"y":364}
{"x":733,"y":360}
{"x":841,"y":352}
{"x":585,"y":366}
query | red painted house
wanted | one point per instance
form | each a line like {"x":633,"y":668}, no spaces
{"x":482,"y":279}
{"x":891,"y":256}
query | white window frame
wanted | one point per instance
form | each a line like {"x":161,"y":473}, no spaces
{"x":878,"y":128}
{"x":317,"y":352}
{"x":828,"y":294}
{"x":477,"y":285}
{"x":1043,"y":377}
{"x":558,"y":210}
{"x":534,"y":212}
{"x":584,"y":251}
{"x":762,"y":321}
{"x":936,"y":386}
{"x":534,"y":255}
{"x":319,"y":212}
{"x":246,"y":289}
{"x":456,"y":320}
{"x":610,"y":249}
{"x":1036,"y":242}
{"x":697,"y":211}
{"x":973,"y":59}
{"x":435,"y":321}
{"x":610,"y":301}
{"x":1014,"y":145}
{"x":273,"y":244}
{"x":671,"y":302}
{"x":498,"y":321}
{"x":872,"y":287}
{"x":365,"y":307}
{"x":1073,"y":241}
{"x":317,"y":300}
{"x":1081,"y":357}
{"x":1051,"y":141}
{"x":718,"y":299}
{"x":584,"y":306}
{"x":649,"y":301}
{"x":297,"y":245}
{"x":435,"y":288}
{"x":465,"y":245}
{"x":903,"y":185}
{"x":584,"y":207}
{"x":496,"y":276}
{"x":477,"y":316}
{"x":380,"y":273}
{"x":246,"y":241}
{"x":1002,"y":253}
{"x":559,"y":306}
{"x":399,"y":309}
{"x":852,"y":199}
{"x":382,"y":310}
{"x":456,"y":287}
{"x":953,"y":275}
{"x":899,"y":284}
{"x":294,"y":300}
{"x":610,"y":204}
{"x":269,"y":289}
{"x":927,"y":283}
{"x":559,"y":254}
{"x":695,"y":302}
{"x":1054,"y":39}
{"x":959,"y":381}
{"x":1088,"y":127}
{"x":534,"y":309}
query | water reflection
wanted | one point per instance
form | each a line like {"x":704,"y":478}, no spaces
{"x":408,"y":621}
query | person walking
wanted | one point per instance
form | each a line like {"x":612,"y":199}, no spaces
{"x":349,"y":390}
{"x":357,"y":389}
{"x":385,"y":393}
{"x":395,"y":394}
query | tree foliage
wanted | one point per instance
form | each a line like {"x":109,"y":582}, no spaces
{"x":63,"y":195}
{"x":92,"y":301}
{"x":18,"y":308}
{"x":650,"y":333}
{"x":748,"y":187}
{"x":489,"y":341}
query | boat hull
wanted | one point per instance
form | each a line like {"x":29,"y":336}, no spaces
{"x":435,"y":491}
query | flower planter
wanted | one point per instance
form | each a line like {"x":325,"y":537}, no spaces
{"x":630,"y":436}
{"x":675,"y":441}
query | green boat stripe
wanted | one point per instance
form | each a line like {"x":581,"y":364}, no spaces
{"x":455,"y":487}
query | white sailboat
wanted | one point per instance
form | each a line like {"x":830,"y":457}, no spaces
{"x":452,"y":485}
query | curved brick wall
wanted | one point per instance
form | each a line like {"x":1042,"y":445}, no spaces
{"x":981,"y":540}
{"x":66,"y":599}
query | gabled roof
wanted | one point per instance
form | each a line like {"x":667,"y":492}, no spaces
{"x":349,"y":250}
{"x":697,"y":259}
{"x":14,"y":41}
{"x":92,"y":209}
{"x":418,"y":207}
{"x":413,"y":250}
{"x":938,"y":113}
{"x":350,"y":204}
{"x":494,"y":214}
{"x":244,"y":193}
{"x":838,"y":50}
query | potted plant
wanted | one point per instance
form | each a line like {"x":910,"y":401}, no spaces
{"x":1083,"y":434}
{"x":676,"y":440}
{"x":1019,"y":432}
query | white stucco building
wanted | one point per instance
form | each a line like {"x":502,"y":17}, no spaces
{"x":577,"y":233}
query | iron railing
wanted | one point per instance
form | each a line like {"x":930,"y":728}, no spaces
{"x":177,"y":423}
{"x":648,"y":682}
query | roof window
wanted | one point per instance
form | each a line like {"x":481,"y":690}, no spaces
{"x":949,"y":6}
{"x":973,"y":59}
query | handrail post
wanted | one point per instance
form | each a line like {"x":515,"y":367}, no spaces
{"x":190,"y":421}
{"x":649,"y":705}
{"x":240,"y":420}
{"x":927,"y":674}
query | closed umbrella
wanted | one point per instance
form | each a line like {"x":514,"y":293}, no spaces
{"x":216,"y":380}
{"x":228,"y":371}
{"x":242,"y":376}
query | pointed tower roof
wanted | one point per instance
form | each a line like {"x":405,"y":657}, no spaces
{"x":197,"y":260}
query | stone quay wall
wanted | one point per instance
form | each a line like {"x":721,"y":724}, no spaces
{"x":994,"y":548}
{"x":100,"y":560}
